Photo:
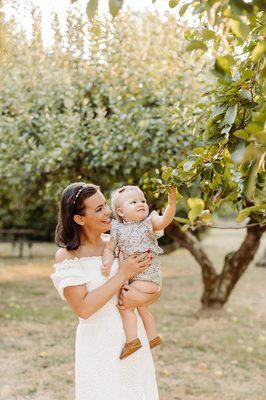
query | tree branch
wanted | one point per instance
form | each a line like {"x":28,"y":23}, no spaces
{"x":191,"y":243}
{"x":199,"y":224}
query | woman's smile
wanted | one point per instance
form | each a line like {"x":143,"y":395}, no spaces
{"x":107,"y":221}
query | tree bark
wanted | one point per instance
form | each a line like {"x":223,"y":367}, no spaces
{"x":218,"y":287}
{"x":236,"y":263}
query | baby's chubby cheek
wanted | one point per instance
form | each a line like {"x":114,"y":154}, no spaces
{"x":147,"y":212}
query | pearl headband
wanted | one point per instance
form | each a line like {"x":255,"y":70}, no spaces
{"x":78,"y":193}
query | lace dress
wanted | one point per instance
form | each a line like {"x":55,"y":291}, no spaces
{"x":99,"y":373}
{"x":138,"y":237}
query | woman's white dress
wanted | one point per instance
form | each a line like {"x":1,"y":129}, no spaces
{"x":99,"y":373}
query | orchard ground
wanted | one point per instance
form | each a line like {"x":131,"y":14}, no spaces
{"x":220,"y":357}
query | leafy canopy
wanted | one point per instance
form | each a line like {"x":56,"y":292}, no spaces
{"x":112,"y":113}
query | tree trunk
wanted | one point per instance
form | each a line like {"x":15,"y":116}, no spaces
{"x":218,"y":287}
{"x":236,"y":263}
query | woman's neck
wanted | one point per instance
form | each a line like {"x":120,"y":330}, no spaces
{"x":92,"y":243}
{"x":90,"y":238}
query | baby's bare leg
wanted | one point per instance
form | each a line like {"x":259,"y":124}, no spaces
{"x":148,"y":322}
{"x":144,"y":312}
{"x":130,"y":324}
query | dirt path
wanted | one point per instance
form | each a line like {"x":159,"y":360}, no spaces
{"x":217,"y":358}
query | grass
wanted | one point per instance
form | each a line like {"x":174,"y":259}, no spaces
{"x":221,"y":357}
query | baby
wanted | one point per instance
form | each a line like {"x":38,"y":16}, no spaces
{"x":134,"y":231}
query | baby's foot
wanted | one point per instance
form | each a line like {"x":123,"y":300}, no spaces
{"x":130,"y":348}
{"x":155,"y":342}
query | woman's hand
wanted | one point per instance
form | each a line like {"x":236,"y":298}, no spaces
{"x":130,"y":297}
{"x":134,"y":264}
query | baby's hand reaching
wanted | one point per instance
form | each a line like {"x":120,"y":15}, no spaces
{"x":106,"y":269}
{"x":172,"y":195}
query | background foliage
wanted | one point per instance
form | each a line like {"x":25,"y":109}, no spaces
{"x":229,"y":164}
{"x":110,"y":103}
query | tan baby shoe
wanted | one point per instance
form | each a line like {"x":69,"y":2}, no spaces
{"x":130,"y":348}
{"x":155,"y":342}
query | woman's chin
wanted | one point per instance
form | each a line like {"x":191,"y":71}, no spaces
{"x":106,"y":227}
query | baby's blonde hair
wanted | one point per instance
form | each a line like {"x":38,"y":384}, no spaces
{"x":115,"y":198}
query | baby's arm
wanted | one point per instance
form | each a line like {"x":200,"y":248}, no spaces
{"x":108,"y":257}
{"x":160,"y":222}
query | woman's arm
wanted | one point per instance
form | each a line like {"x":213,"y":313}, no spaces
{"x":130,"y":297}
{"x":85,"y":303}
{"x":108,"y":257}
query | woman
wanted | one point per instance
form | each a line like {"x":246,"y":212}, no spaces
{"x":99,"y":374}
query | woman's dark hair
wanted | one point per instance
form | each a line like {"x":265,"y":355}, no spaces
{"x":67,"y":233}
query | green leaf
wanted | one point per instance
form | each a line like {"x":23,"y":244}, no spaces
{"x":188,"y":164}
{"x":230,"y":115}
{"x":247,"y":74}
{"x":263,"y":73}
{"x":218,"y":110}
{"x":218,"y":167}
{"x":183,"y":9}
{"x":242,"y":134}
{"x":246,"y":94}
{"x":258,"y":51}
{"x":224,"y":63}
{"x":240,"y":7}
{"x":198,"y":150}
{"x":197,"y":206}
{"x":182,"y":220}
{"x":195,"y":202}
{"x":91,"y":8}
{"x":239,"y":29}
{"x":115,"y":6}
{"x":144,"y":123}
{"x":208,"y":34}
{"x":243,"y":214}
{"x":207,"y":171}
{"x":193,"y":214}
{"x":196,"y":44}
{"x":254,"y":127}
{"x":246,"y":211}
{"x":226,"y":129}
{"x":167,"y":173}
{"x":173,"y":3}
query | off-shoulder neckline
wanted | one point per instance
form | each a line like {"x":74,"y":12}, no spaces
{"x":67,"y":260}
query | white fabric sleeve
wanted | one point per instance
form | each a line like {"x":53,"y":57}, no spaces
{"x":67,"y":274}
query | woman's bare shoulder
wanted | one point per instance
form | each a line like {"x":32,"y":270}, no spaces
{"x":63,"y":254}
